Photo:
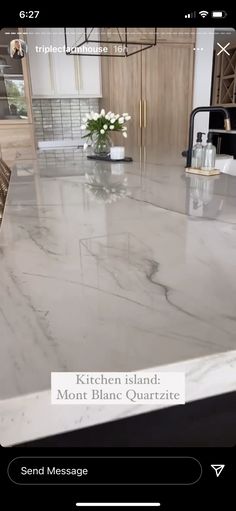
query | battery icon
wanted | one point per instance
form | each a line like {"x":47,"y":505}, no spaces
{"x":219,"y":14}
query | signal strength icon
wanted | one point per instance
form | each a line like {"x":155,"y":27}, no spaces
{"x":190,"y":15}
{"x":203,"y":14}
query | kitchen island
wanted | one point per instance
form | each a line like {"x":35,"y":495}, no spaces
{"x":112,"y":267}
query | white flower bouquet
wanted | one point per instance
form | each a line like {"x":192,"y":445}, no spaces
{"x":100,"y":126}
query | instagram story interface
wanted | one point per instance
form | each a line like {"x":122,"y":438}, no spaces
{"x":118,"y":249}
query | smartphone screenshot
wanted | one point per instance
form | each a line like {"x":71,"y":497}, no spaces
{"x":118,"y":258}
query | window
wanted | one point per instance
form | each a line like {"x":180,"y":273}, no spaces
{"x":12,"y":90}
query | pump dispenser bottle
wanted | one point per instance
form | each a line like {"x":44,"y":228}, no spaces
{"x":197,"y":154}
{"x":209,"y":154}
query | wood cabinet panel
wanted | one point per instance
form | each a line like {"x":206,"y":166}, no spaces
{"x":122,"y":93}
{"x":176,"y":35}
{"x":162,"y":78}
{"x":224,"y":79}
{"x":144,"y":35}
{"x":147,"y":35}
{"x":17,"y":142}
{"x":167,"y":72}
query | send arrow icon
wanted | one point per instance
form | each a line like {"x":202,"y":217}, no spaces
{"x":218,"y":469}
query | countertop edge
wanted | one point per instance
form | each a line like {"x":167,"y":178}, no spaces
{"x":23,"y":417}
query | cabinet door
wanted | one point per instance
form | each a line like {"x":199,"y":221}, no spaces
{"x":40,"y":63}
{"x":55,"y":74}
{"x":121,"y":83}
{"x":167,"y":80}
{"x":89,"y":76}
{"x":64,"y":68}
{"x":86,"y":71}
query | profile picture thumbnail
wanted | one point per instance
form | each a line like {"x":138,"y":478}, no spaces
{"x":18,"y":48}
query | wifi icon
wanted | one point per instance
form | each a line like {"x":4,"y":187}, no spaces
{"x":203,"y":14}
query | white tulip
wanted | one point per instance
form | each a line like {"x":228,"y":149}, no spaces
{"x":111,"y":127}
{"x":85,"y":146}
{"x":102,"y":132}
{"x":108,"y":116}
{"x":113,"y":120}
{"x":125,"y":134}
{"x":121,"y":120}
{"x":127,"y":117}
{"x":103,"y":112}
{"x":95,"y":117}
{"x":125,"y":128}
{"x":125,"y":114}
{"x":117,"y":116}
{"x":105,"y":126}
{"x":84,"y":119}
{"x":83,"y":127}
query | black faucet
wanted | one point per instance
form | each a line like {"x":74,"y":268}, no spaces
{"x":227,"y":126}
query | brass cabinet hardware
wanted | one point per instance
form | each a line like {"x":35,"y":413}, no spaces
{"x":144,"y":113}
{"x":140,"y":113}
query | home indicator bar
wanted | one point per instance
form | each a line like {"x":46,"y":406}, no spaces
{"x":118,"y":504}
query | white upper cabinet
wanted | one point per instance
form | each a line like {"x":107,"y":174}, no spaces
{"x":40,"y":69}
{"x":55,"y":74}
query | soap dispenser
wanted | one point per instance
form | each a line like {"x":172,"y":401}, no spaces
{"x":197,"y":154}
{"x":209,"y":154}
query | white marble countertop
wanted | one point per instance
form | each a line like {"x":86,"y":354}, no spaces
{"x":87,"y":284}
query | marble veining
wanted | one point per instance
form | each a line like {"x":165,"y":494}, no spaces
{"x":143,"y":278}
